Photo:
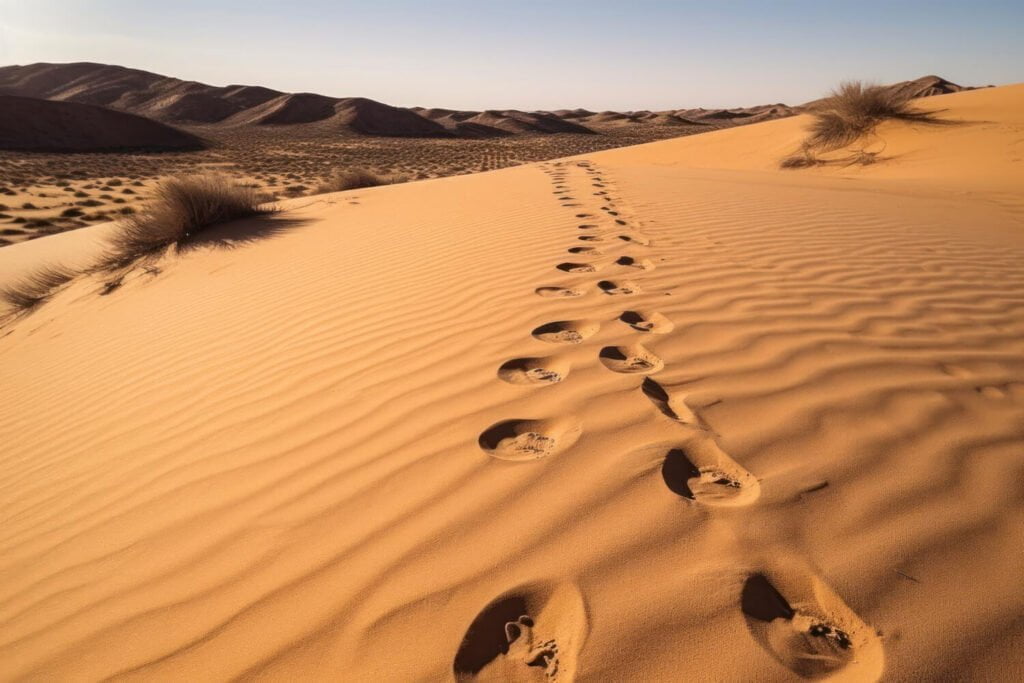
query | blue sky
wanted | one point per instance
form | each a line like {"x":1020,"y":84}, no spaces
{"x":626,"y":54}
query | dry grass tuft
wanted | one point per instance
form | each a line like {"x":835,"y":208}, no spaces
{"x":854,"y":109}
{"x":33,"y":290}
{"x":355,"y":178}
{"x":181,"y":208}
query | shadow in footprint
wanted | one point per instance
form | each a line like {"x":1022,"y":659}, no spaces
{"x":533,"y":627}
{"x":570,"y":267}
{"x":487,"y":638}
{"x":566,"y":331}
{"x":761,"y":601}
{"x":632,"y":359}
{"x":614,"y":288}
{"x":650,"y":321}
{"x":815,"y":639}
{"x":533,"y":371}
{"x":677,"y":471}
{"x":524,"y":440}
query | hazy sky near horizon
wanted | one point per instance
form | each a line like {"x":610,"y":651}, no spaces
{"x":530,"y":54}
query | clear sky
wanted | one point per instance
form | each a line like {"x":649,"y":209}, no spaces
{"x":531,"y":54}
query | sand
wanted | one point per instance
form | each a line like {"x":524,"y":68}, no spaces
{"x":770,"y":427}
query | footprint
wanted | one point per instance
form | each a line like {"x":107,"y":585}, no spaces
{"x":587,"y":226}
{"x":584,"y":215}
{"x":558,"y":292}
{"x":590,"y":238}
{"x":534,"y":370}
{"x":647,"y":321}
{"x":530,"y":633}
{"x":570,"y":267}
{"x":618,"y":287}
{"x":619,"y":221}
{"x":702,"y":472}
{"x":813,"y":632}
{"x":636,"y":239}
{"x":566,"y":331}
{"x":673,"y":406}
{"x":592,"y":251}
{"x":529,"y":439}
{"x":630,"y":262}
{"x":631,"y":359}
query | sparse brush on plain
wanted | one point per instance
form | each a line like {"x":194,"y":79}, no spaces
{"x":180,"y":209}
{"x":852,"y":111}
{"x":355,"y":178}
{"x":34,"y":289}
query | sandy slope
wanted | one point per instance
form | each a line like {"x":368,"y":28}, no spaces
{"x":790,"y":403}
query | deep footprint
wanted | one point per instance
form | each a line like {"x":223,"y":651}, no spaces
{"x":671,"y":406}
{"x":566,"y":331}
{"x":818,"y":637}
{"x":618,"y":287}
{"x":570,"y":267}
{"x":701,"y":471}
{"x":529,"y":633}
{"x":647,"y":321}
{"x":523,"y":440}
{"x":631,"y":359}
{"x":630,"y":262}
{"x":533,"y":371}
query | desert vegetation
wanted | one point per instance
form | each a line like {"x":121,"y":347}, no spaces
{"x":181,"y":208}
{"x":851,"y":112}
{"x":31,"y":291}
{"x":356,"y":178}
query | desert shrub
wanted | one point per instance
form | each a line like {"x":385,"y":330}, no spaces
{"x":355,"y":178}
{"x":34,"y":289}
{"x":854,"y":109}
{"x":181,"y":208}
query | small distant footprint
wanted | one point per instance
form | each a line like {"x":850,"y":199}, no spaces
{"x":630,"y":262}
{"x":631,"y":359}
{"x":701,"y":471}
{"x":813,"y":632}
{"x":559,"y":292}
{"x":534,"y":371}
{"x":566,"y":331}
{"x":647,"y":321}
{"x":618,"y":287}
{"x":570,"y":267}
{"x":591,"y":251}
{"x":636,"y":239}
{"x":529,"y":439}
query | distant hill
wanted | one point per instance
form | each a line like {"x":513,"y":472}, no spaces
{"x":30,"y":124}
{"x":189,"y":103}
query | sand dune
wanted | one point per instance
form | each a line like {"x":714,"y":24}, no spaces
{"x":657,"y":413}
{"x":29,"y":124}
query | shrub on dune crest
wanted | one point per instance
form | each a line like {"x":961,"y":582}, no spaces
{"x":852,"y":111}
{"x":181,"y":208}
{"x":34,"y":289}
{"x":356,"y":178}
